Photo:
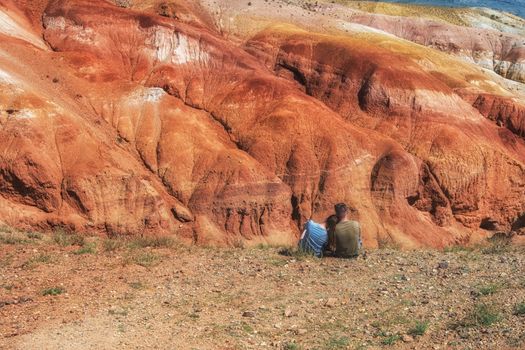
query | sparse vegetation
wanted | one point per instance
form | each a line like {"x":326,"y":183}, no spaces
{"x":8,"y":286}
{"x":89,"y":248}
{"x":124,"y":3}
{"x":419,"y":329}
{"x":295,"y":253}
{"x":238,"y":243}
{"x":519,"y":309}
{"x":111,"y":245}
{"x":137,"y":285}
{"x":489,"y":289}
{"x":11,"y":236}
{"x":6,"y":260}
{"x":118,"y":311}
{"x":53,"y":291}
{"x":37,"y":260}
{"x":64,"y":239}
{"x":391,"y":339}
{"x":337,"y":343}
{"x":247,"y":328}
{"x":292,"y":346}
{"x":34,"y":235}
{"x":145,"y":259}
{"x":482,"y":315}
{"x":497,"y":245}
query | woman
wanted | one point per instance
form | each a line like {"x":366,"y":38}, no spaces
{"x":314,"y":239}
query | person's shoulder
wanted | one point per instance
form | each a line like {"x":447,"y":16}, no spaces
{"x":312,"y":224}
{"x":347,"y":224}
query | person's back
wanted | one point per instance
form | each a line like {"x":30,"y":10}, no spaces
{"x":347,"y":239}
{"x":315,"y":238}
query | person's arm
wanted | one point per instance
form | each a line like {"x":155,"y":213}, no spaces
{"x":360,"y":244}
{"x":304,"y":233}
{"x":330,"y":245}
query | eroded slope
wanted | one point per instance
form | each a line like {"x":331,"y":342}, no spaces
{"x":149,"y":121}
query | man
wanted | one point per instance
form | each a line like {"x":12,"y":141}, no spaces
{"x":347,"y":234}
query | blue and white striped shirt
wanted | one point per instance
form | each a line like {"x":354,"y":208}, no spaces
{"x":314,"y":239}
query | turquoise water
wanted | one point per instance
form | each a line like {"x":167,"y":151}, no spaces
{"x":516,"y":7}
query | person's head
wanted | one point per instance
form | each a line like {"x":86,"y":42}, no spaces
{"x":341,"y":211}
{"x":331,"y":222}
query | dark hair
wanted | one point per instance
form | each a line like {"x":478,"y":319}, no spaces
{"x":340,"y":210}
{"x":331,"y":222}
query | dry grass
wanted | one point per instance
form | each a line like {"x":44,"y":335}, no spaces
{"x":441,"y":14}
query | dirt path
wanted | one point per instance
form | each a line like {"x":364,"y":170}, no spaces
{"x":138,"y":297}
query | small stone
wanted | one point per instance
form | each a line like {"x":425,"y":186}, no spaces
{"x":250,"y":314}
{"x":443,"y":265}
{"x":407,"y":339}
{"x":289,"y":312}
{"x":331,"y":302}
{"x":302,"y":331}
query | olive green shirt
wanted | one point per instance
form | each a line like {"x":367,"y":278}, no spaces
{"x":347,"y":239}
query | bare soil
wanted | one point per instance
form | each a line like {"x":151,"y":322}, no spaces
{"x":105,"y":294}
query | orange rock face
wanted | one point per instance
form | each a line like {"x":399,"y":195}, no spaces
{"x":147,"y":121}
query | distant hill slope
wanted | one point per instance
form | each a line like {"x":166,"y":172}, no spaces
{"x":228,"y":122}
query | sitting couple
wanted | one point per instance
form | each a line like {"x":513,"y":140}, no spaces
{"x":337,"y":236}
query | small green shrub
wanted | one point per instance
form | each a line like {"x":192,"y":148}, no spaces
{"x":86,"y":249}
{"x":482,"y":315}
{"x":10,"y":239}
{"x":519,"y":309}
{"x":263,"y":246}
{"x":7,"y":286}
{"x":489,"y":289}
{"x":10,"y":236}
{"x":295,"y":253}
{"x":338,"y":343}
{"x":64,"y":239}
{"x":238,"y":243}
{"x":498,"y":245}
{"x":137,"y":285}
{"x":53,"y":291}
{"x":36,"y":260}
{"x":34,"y":235}
{"x":419,"y":329}
{"x":391,"y":340}
{"x":292,"y":346}
{"x":247,"y":328}
{"x":7,"y":260}
{"x":145,"y":259}
{"x":6,"y":229}
{"x":124,"y":3}
{"x":111,"y":245}
{"x":118,"y":312}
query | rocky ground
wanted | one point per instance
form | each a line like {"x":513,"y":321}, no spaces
{"x":64,"y":292}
